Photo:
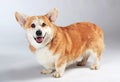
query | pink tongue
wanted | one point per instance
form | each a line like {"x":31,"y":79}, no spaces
{"x":39,"y":39}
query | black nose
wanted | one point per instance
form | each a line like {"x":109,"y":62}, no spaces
{"x":38,"y":32}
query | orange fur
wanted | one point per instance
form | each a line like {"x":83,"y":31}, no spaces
{"x":32,"y":48}
{"x":71,"y":41}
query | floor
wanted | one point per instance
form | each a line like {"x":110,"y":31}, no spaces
{"x":21,"y":66}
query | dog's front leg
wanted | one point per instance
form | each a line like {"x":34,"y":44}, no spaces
{"x":48,"y":68}
{"x":46,"y":71}
{"x":60,"y":66}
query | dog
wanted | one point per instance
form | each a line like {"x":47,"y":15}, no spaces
{"x":56,"y":47}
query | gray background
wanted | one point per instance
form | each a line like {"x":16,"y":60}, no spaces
{"x":18,"y":64}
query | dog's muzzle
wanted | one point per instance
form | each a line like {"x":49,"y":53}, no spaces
{"x":39,"y":38}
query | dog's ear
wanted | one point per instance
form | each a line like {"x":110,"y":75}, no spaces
{"x":21,"y":18}
{"x":52,"y":15}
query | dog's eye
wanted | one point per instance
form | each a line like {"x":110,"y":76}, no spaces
{"x":33,"y":25}
{"x":43,"y":24}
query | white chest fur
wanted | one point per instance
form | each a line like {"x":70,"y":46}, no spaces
{"x":45,"y":58}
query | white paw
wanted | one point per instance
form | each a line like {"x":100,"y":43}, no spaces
{"x":56,"y":75}
{"x":95,"y":67}
{"x":46,"y":71}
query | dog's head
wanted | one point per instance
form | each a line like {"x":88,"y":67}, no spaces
{"x":39,"y":29}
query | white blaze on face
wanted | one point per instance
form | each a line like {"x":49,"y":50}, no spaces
{"x":47,"y":33}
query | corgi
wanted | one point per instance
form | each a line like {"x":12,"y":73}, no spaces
{"x":56,"y":47}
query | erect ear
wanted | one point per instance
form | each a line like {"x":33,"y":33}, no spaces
{"x":21,"y":18}
{"x":52,"y":15}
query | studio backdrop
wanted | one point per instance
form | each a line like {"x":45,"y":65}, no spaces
{"x":13,"y":43}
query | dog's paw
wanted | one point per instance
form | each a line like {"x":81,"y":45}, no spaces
{"x":46,"y":71}
{"x":56,"y":75}
{"x":95,"y":67}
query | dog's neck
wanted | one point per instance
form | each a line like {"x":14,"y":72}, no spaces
{"x":56,"y":41}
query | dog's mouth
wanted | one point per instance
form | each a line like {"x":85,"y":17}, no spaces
{"x":39,"y":39}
